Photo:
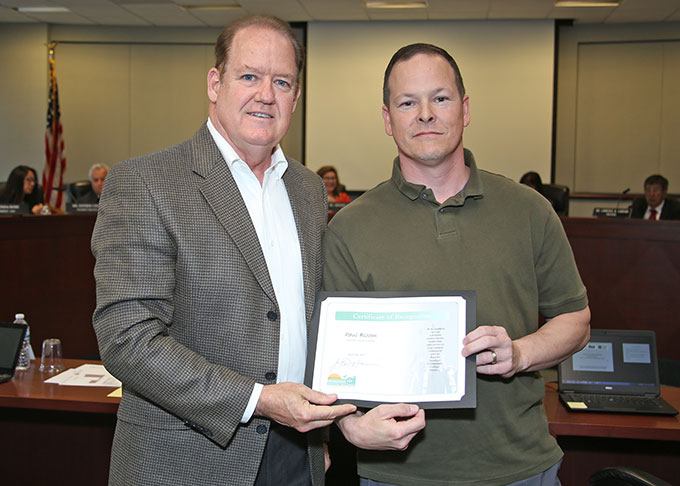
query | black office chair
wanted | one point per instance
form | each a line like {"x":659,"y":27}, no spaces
{"x":559,"y":196}
{"x":78,"y":189}
{"x":669,"y":372}
{"x":624,"y":476}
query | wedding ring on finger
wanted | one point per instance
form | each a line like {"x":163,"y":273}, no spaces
{"x":494,"y":357}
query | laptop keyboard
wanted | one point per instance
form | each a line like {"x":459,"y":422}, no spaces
{"x":628,"y":402}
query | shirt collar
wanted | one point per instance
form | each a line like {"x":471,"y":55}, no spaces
{"x":279,"y":163}
{"x":473,"y":188}
{"x":659,"y":207}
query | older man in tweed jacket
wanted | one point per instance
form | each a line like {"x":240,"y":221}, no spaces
{"x":208,"y":260}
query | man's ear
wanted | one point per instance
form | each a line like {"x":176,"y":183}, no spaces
{"x":297,"y":97}
{"x":388,"y":121}
{"x":214,"y":83}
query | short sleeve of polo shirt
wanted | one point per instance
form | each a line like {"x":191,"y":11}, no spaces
{"x":559,"y":283}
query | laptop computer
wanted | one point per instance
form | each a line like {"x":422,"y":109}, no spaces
{"x":617,"y":371}
{"x":11,"y":338}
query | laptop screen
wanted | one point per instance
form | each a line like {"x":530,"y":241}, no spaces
{"x":619,"y":362}
{"x":11,"y":336}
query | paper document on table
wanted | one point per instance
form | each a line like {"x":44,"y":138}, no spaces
{"x":85,"y":375}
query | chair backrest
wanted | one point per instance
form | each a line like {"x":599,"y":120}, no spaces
{"x":624,"y":476}
{"x":78,"y":189}
{"x":559,"y":196}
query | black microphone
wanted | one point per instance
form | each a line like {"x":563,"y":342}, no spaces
{"x":625,"y":191}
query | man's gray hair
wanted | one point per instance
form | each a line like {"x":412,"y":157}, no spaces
{"x":96,"y":167}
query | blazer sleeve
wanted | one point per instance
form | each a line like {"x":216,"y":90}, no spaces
{"x":134,"y":273}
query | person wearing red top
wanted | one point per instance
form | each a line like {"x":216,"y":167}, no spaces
{"x":333,"y":186}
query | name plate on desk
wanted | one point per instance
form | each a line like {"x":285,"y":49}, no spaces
{"x":335,"y":206}
{"x":81,"y":208}
{"x":611,"y":212}
{"x":10,"y":209}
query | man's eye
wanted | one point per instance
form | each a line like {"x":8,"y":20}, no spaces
{"x":406,"y":104}
{"x":440,"y":99}
{"x":282,"y":83}
{"x":248,"y":77}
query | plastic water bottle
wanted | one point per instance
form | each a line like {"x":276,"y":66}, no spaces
{"x":26,"y":354}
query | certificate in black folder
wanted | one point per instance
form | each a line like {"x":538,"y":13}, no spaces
{"x":393,"y":347}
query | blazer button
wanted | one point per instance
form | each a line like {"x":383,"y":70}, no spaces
{"x":270,"y":376}
{"x":261,"y":429}
{"x":272,"y":316}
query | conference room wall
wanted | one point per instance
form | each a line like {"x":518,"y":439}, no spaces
{"x":23,"y":78}
{"x":618,"y":106}
{"x":23,"y":55}
{"x":507,"y":67}
{"x":124,"y":92}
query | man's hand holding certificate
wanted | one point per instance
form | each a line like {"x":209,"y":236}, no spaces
{"x":379,"y":347}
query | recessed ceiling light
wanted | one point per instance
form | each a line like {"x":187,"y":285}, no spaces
{"x":210,"y":7}
{"x":421,"y":4}
{"x":587,"y":3}
{"x":42,"y":9}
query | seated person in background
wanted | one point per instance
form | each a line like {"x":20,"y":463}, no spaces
{"x":333,"y":186}
{"x":22,"y":188}
{"x":533,"y":180}
{"x":655,"y":205}
{"x":97,"y":174}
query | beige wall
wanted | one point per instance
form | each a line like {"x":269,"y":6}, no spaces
{"x":99,"y":68}
{"x":123,"y":92}
{"x":23,"y":106}
{"x":507,"y":67}
{"x":618,"y":106}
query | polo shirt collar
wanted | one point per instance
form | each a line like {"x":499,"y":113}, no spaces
{"x":474,"y":187}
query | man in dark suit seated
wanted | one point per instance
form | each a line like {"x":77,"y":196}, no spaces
{"x":655,"y":205}
{"x":97,"y":175}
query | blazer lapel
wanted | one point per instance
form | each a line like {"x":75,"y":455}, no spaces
{"x":299,"y":201}
{"x":222,"y":194}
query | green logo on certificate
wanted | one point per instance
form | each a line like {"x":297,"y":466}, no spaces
{"x":337,"y":380}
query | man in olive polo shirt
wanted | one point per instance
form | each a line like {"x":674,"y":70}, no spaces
{"x":441,"y":223}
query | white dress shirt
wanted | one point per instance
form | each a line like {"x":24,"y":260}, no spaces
{"x":648,"y":213}
{"x":270,"y":211}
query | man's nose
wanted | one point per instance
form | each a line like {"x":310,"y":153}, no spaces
{"x":265,"y":92}
{"x":426,"y":114}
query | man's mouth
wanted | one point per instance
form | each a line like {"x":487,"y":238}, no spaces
{"x":259,"y":114}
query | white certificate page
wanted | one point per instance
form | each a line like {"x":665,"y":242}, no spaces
{"x":391,"y":350}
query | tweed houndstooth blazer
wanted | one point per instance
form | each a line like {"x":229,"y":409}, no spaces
{"x":186,"y":314}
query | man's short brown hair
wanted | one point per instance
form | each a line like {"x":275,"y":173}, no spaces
{"x":407,"y":52}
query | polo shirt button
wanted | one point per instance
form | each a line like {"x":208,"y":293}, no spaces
{"x":261,"y":429}
{"x":442,"y":210}
{"x":424,"y":195}
{"x":270,"y":376}
{"x":272,"y":316}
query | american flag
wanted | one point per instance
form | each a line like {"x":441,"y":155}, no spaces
{"x":55,"y":162}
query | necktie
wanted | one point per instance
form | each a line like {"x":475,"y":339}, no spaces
{"x":652,"y":214}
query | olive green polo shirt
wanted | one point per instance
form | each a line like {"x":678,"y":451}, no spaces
{"x":500,"y":239}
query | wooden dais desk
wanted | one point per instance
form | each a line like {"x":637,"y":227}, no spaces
{"x":54,"y":434}
{"x":591,"y":441}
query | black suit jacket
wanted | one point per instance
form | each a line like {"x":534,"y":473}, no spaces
{"x":88,"y":198}
{"x":670,"y":210}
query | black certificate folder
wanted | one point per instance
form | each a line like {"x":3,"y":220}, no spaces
{"x":393,"y":347}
